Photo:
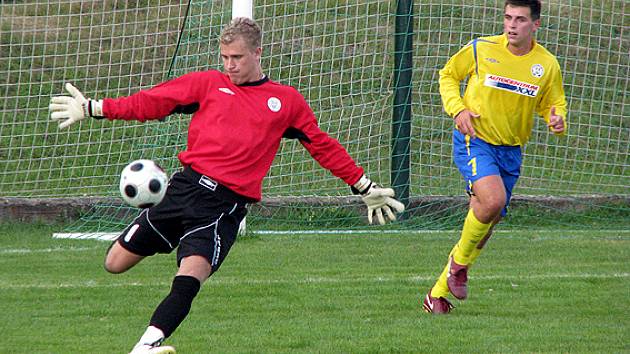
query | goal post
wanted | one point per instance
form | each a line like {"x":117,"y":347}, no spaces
{"x":243,"y":8}
{"x":369,"y":70}
{"x":403,"y":101}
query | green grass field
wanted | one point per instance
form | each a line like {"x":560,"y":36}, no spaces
{"x":538,"y":291}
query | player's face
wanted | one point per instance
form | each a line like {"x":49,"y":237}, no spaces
{"x":519,"y":27}
{"x":241,"y":63}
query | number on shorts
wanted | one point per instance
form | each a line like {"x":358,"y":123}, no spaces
{"x":473,"y":164}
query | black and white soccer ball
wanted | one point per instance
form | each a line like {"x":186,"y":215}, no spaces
{"x":143,"y":183}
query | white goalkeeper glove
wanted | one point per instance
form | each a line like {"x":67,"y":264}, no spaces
{"x":378,"y":200}
{"x":71,"y":109}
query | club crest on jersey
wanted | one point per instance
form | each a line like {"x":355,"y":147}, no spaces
{"x":537,"y":70}
{"x":515,"y":86}
{"x":274,"y":104}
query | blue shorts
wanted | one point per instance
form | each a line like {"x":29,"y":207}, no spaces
{"x":476,"y":158}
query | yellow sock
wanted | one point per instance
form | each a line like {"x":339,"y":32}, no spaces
{"x":473,"y":256}
{"x":440,"y":289}
{"x":473,"y":231}
{"x":477,"y":250}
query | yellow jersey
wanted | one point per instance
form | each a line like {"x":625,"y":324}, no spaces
{"x":503,"y":88}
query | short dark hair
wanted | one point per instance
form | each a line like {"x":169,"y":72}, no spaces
{"x":534,"y":6}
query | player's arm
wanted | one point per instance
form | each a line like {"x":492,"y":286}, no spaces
{"x":329,"y":153}
{"x":458,"y":67}
{"x":174,"y":96}
{"x":553,"y":105}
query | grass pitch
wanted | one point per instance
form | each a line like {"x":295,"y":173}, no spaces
{"x":536,"y":291}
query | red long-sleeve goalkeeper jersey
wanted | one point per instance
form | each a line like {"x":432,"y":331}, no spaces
{"x":236,"y":130}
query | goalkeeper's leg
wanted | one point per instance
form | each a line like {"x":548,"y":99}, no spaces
{"x":138,"y":240}
{"x":201,"y":253}
{"x":119,"y":260}
{"x":172,"y":311}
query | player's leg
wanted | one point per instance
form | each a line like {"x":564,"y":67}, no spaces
{"x":481,"y":165}
{"x":174,"y":308}
{"x":475,"y":253}
{"x":145,"y":236}
{"x":509,"y":160}
{"x":193,"y":271}
{"x":119,"y":260}
{"x":485,"y":206}
{"x":211,"y":228}
{"x":154,"y":230}
{"x":172,"y":311}
{"x":476,"y":161}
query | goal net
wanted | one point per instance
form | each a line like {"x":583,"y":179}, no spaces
{"x":341,"y":55}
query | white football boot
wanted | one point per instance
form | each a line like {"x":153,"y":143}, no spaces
{"x":150,"y":349}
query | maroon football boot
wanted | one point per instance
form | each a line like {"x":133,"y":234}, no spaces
{"x":456,"y":279}
{"x":436,"y":305}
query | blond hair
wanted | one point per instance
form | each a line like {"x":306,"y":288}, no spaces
{"x":245,"y":28}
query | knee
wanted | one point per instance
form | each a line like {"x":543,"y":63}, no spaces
{"x":489,"y":209}
{"x":495,"y":205}
{"x":109,"y":264}
{"x":112,"y":266}
{"x":118,"y":260}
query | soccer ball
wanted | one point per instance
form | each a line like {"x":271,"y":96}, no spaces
{"x":143,"y":183}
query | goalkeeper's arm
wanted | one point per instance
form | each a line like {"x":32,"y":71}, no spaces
{"x":71,"y":109}
{"x":379,"y":200}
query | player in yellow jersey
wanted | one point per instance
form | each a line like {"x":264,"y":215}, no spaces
{"x":510,"y":76}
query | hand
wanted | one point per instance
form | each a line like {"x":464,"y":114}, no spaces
{"x":556,"y":122}
{"x":378,"y":200}
{"x":463,"y":122}
{"x":67,"y":108}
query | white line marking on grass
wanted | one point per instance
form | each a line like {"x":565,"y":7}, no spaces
{"x":308,"y":280}
{"x":104,"y":236}
{"x":81,"y":285}
{"x":45,"y":250}
{"x":107,"y":236}
{"x":341,"y":232}
{"x":539,"y":276}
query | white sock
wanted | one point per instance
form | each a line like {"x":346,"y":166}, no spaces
{"x":150,"y":336}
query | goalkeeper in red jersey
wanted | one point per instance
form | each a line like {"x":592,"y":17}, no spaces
{"x":239,"y":118}
{"x":510,"y":76}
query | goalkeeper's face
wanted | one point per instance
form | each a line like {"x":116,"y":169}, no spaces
{"x":241,"y":62}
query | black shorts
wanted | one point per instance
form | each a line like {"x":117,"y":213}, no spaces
{"x":197,"y":216}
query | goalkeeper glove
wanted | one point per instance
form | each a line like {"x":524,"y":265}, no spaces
{"x":378,"y":200}
{"x":74,"y":108}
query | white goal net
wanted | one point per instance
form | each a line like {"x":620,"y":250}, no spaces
{"x":342,"y":56}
